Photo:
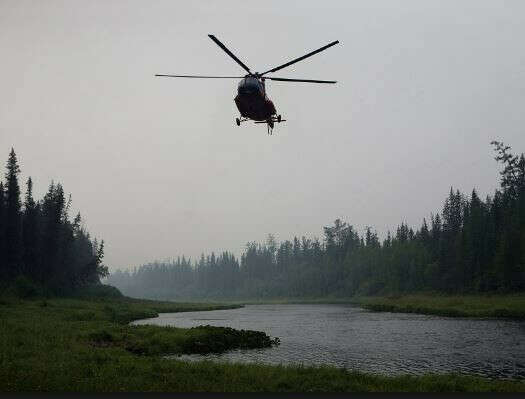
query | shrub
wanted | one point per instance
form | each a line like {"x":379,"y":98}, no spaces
{"x":101,"y":338}
{"x":98,"y":291}
{"x":80,"y":316}
{"x":24,"y":288}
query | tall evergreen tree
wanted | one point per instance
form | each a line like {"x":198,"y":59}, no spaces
{"x":3,"y":232}
{"x":13,"y":233}
{"x":30,"y":232}
{"x":40,"y":242}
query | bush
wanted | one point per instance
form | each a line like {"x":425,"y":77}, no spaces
{"x":98,"y":291}
{"x":24,"y":288}
{"x":80,"y":316}
{"x":208,"y":339}
{"x":101,"y":338}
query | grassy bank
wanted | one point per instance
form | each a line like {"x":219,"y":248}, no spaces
{"x":87,"y":345}
{"x":486,"y":306}
{"x":476,"y":306}
{"x":295,"y":301}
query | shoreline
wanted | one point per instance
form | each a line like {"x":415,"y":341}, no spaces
{"x":463,"y":306}
{"x":86,"y":345}
{"x":493,"y":306}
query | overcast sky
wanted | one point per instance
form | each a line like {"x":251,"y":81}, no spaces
{"x":158,"y":167}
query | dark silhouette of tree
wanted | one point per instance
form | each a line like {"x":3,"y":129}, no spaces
{"x":13,"y":218}
{"x":3,"y":232}
{"x":39,"y":241}
{"x":30,"y":232}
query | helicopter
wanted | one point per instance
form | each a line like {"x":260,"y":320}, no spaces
{"x":251,"y":99}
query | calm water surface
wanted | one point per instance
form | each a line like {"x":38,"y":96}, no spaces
{"x":351,"y":337}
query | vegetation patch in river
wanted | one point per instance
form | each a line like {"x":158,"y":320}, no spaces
{"x":155,"y":340}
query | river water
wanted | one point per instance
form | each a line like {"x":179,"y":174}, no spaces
{"x":379,"y":342}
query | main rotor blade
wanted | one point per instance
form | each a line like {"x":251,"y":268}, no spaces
{"x":222,"y":46}
{"x":201,"y":76}
{"x":301,"y":58}
{"x":301,"y":80}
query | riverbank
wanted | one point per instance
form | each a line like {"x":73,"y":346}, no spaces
{"x":510,"y":306}
{"x":477,"y":306}
{"x":88,"y":346}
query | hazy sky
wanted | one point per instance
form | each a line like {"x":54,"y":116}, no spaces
{"x":158,"y":167}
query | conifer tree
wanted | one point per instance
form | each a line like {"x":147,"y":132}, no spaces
{"x":3,"y":242}
{"x":40,"y":242}
{"x":13,"y":232}
{"x":30,"y":232}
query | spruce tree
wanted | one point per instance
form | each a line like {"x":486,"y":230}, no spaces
{"x":13,"y":218}
{"x":30,"y":232}
{"x":3,"y":222}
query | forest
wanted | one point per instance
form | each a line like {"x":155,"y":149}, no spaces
{"x":472,"y":245}
{"x":42,"y":251}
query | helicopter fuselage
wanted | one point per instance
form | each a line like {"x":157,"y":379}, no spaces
{"x":251,"y":100}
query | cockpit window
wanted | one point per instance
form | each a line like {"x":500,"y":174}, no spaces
{"x":249,"y":85}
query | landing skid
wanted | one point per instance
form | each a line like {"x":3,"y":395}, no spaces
{"x":270,"y":122}
{"x":241,"y":120}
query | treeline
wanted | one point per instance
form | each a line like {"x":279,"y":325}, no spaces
{"x":471,"y":246}
{"x":39,"y":243}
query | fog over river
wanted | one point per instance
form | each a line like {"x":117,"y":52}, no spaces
{"x":354,"y":338}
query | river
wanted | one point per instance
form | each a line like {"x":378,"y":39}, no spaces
{"x":378,"y":342}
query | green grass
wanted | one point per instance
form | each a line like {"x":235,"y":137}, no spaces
{"x":487,"y":306}
{"x":298,"y":301}
{"x":477,"y":306}
{"x":88,"y":346}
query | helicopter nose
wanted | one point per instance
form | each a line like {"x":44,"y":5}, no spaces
{"x":245,"y":90}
